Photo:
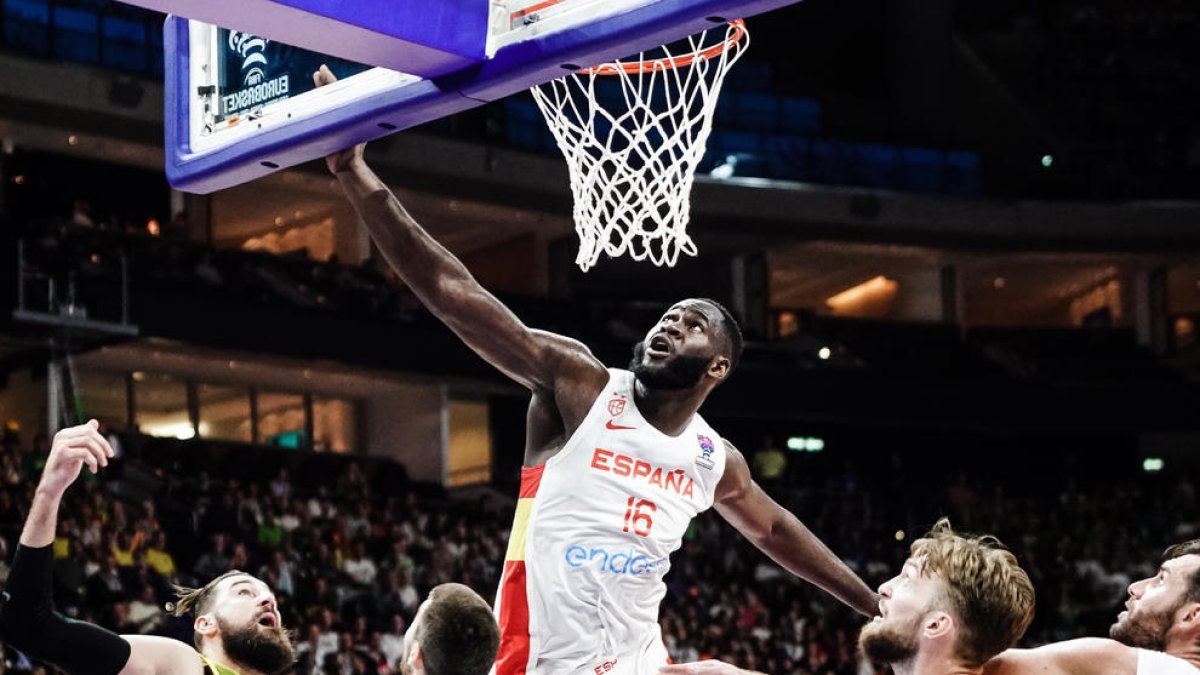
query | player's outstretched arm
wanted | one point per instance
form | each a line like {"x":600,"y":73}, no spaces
{"x":536,"y":359}
{"x":1085,"y":656}
{"x":711,"y":667}
{"x":28,"y":621}
{"x":779,"y":534}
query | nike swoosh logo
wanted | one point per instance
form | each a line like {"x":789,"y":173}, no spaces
{"x":610,"y":425}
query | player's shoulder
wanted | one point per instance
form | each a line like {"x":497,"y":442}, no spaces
{"x":153,"y":655}
{"x":1071,"y":657}
{"x":567,"y":351}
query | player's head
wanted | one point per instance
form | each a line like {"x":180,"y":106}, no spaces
{"x":695,"y":339}
{"x":453,"y":633}
{"x":239,"y":612}
{"x":1165,"y":606}
{"x":958,"y":598}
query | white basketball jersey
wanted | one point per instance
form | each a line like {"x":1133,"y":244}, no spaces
{"x":1158,"y":663}
{"x":594,"y":529}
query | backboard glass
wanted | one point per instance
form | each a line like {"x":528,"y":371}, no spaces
{"x":240,"y":101}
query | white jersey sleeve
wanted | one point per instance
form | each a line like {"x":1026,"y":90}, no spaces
{"x":1158,"y":663}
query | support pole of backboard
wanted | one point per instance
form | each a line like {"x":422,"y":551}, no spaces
{"x":53,"y":391}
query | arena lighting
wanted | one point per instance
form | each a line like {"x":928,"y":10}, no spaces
{"x":824,"y":353}
{"x":871,"y":289}
{"x":1047,"y":161}
{"x":181,"y":430}
{"x":1152,"y":464}
{"x":805,"y":444}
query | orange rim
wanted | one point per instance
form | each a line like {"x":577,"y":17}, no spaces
{"x":739,"y":31}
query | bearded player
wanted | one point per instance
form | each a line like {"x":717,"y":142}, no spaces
{"x":237,"y":625}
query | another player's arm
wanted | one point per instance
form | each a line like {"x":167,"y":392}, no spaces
{"x":1085,"y":656}
{"x":779,"y":534}
{"x":537,"y":359}
{"x":28,"y":621}
{"x":710,"y":667}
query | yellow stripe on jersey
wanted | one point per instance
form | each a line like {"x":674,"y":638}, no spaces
{"x":516,"y":540}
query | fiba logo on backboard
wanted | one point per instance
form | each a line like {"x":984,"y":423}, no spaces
{"x":258,"y":87}
{"x":252,"y":49}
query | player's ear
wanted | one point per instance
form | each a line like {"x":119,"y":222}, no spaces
{"x":719,"y":367}
{"x":416,"y":660}
{"x":205,"y":625}
{"x":937,"y":624}
{"x":1191,"y":614}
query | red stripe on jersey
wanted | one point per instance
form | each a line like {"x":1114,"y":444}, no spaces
{"x":531,"y":479}
{"x":513,"y":656}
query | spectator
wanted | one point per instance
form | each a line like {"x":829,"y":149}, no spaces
{"x":159,"y":557}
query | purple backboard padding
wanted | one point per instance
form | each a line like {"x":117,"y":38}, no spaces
{"x":514,"y":69}
{"x":525,"y":64}
{"x":451,"y":26}
{"x":422,"y":37}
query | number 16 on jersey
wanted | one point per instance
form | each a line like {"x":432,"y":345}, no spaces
{"x":638,"y":516}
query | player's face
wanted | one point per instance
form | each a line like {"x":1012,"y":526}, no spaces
{"x":250,"y":627}
{"x":905,"y":601}
{"x":1153,"y":604}
{"x":680,"y":348}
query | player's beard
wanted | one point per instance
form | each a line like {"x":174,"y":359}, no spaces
{"x":1144,"y":630}
{"x":885,"y":643}
{"x":265,"y":649}
{"x":681,"y":372}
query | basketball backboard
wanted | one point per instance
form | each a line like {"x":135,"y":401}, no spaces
{"x":240,"y":103}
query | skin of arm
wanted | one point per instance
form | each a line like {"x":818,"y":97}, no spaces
{"x":779,"y":534}
{"x":1085,"y":656}
{"x":71,"y":450}
{"x":711,"y":667}
{"x":558,"y":370}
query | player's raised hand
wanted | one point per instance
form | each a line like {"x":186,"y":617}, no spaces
{"x":340,"y":160}
{"x":72,"y":448}
{"x":712,"y":667}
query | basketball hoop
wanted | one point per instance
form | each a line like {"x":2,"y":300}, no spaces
{"x":633,"y":155}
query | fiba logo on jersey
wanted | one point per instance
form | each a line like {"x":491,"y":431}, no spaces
{"x":253,"y":50}
{"x":616,"y":406}
{"x":704,"y":460}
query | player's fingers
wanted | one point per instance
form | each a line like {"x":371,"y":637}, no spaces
{"x":72,"y":432}
{"x":79,"y":453}
{"x":94,"y":447}
{"x":323,"y":76}
{"x":105,"y":446}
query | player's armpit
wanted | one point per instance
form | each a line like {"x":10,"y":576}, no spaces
{"x":151,"y":655}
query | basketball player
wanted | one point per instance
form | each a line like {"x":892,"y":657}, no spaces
{"x":617,"y":462}
{"x":1157,"y":634}
{"x":957,"y":602}
{"x":237,"y":627}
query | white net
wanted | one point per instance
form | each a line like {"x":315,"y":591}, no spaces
{"x":633,"y":133}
